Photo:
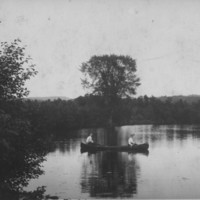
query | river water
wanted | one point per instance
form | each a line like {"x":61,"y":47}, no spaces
{"x":170,"y":170}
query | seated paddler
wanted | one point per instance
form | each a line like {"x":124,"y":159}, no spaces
{"x":131,"y":140}
{"x":89,"y":139}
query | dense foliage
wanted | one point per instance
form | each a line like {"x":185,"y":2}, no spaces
{"x":21,"y":149}
{"x":89,"y":111}
{"x":112,"y":77}
{"x":15,"y":69}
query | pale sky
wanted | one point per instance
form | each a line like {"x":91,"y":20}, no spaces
{"x":162,"y":35}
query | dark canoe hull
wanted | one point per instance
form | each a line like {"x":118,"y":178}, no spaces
{"x":136,"y":148}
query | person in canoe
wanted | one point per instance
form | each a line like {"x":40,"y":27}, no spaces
{"x":131,"y":140}
{"x":89,"y":139}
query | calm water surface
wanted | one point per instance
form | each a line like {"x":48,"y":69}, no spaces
{"x":170,"y":170}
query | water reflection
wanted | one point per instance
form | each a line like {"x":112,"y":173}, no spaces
{"x":173,"y":149}
{"x":117,"y":174}
{"x":110,"y":173}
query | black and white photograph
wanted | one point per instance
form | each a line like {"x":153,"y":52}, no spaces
{"x":99,"y":99}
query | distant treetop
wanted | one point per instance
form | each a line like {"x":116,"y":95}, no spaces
{"x":111,"y":76}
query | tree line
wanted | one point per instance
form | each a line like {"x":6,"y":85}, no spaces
{"x":90,"y":111}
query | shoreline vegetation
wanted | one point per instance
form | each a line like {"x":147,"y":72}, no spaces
{"x":89,"y":112}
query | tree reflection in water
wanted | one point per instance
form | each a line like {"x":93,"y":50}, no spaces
{"x":110,"y":174}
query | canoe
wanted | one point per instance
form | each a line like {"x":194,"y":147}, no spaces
{"x":96,"y":147}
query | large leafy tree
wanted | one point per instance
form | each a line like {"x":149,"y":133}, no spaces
{"x":15,"y":70}
{"x":110,"y":76}
{"x":15,"y":131}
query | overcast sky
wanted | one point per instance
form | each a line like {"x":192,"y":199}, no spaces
{"x":163,"y":37}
